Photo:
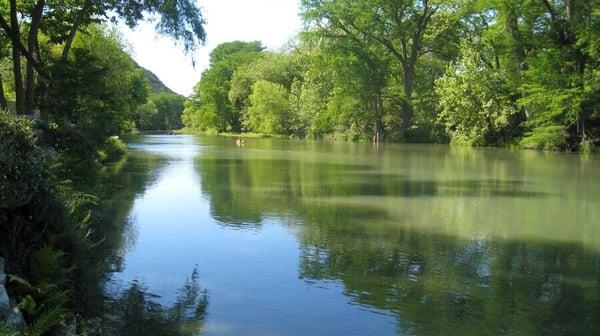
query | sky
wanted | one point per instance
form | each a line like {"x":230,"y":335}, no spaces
{"x":274,"y":22}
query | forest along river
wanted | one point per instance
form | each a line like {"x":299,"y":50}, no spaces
{"x":283,"y":237}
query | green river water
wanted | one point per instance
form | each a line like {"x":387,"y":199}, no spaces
{"x":283,"y":237}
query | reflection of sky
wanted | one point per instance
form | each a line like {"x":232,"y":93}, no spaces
{"x":179,"y":147}
{"x":251,"y":275}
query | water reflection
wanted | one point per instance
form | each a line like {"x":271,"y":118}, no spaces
{"x":136,"y":311}
{"x":310,"y":238}
{"x":477,"y":257}
{"x":118,"y":185}
{"x":439,"y":285}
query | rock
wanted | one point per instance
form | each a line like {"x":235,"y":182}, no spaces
{"x":4,"y":301}
{"x":14,"y":319}
{"x":2,"y":273}
{"x":70,"y":328}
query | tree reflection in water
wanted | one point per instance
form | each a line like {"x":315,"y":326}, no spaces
{"x":447,"y":252}
{"x":136,"y":311}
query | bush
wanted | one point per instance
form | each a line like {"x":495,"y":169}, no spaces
{"x":587,"y":148}
{"x":112,"y":150}
{"x":44,"y":234}
{"x":22,"y":167}
{"x":268,"y":112}
{"x":552,"y":137}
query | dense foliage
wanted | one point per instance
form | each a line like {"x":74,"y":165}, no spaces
{"x":484,"y":73}
{"x":162,"y":111}
{"x":209,"y":108}
{"x":44,"y":227}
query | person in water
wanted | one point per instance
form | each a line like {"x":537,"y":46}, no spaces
{"x":240,"y":142}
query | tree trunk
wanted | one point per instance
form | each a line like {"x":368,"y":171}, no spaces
{"x":16,"y":55}
{"x":378,"y":109}
{"x":16,"y":40}
{"x":407,"y":110}
{"x":512,"y":26}
{"x":78,"y":21}
{"x":3,"y":104}
{"x":36,"y":16}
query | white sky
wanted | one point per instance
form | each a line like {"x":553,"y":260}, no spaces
{"x":274,"y":22}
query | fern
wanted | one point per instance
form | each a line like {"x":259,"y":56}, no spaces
{"x":4,"y":330}
{"x":46,"y":321}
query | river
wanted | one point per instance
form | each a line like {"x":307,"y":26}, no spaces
{"x":283,"y":237}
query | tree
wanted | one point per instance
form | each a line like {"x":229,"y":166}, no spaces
{"x":60,"y":21}
{"x":209,"y":106}
{"x":559,"y":84}
{"x":474,"y":100}
{"x":268,"y":111}
{"x":97,"y":93}
{"x":145,"y":116}
{"x":485,"y":73}
{"x":169,"y":109}
{"x":4,"y":52}
{"x":406,"y":29}
{"x":281,"y":68}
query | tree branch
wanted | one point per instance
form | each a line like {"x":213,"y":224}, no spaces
{"x":9,"y":32}
{"x":78,"y":21}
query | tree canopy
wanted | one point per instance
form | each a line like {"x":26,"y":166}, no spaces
{"x":42,"y":33}
{"x":486,"y":73}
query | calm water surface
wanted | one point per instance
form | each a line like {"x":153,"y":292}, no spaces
{"x":306,"y":238}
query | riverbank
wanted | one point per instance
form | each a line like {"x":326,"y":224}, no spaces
{"x":249,"y":135}
{"x":52,"y":229}
{"x":332,"y":138}
{"x":11,"y":318}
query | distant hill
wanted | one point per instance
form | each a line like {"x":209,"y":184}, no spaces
{"x":157,"y":85}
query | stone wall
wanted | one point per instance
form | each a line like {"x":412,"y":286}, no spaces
{"x":10,"y":315}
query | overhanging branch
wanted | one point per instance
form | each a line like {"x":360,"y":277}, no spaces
{"x":17,"y":42}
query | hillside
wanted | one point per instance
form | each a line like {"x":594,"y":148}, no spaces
{"x":157,"y":85}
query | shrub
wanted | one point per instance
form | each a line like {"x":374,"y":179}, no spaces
{"x":268,"y":112}
{"x":112,"y":149}
{"x":44,"y":234}
{"x":22,"y":168}
{"x":552,"y":137}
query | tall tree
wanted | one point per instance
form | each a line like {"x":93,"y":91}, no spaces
{"x":60,"y":20}
{"x":16,"y":57}
{"x":406,"y":29}
{"x":210,"y":107}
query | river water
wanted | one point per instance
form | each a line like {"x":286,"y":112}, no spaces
{"x":282,"y":237}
